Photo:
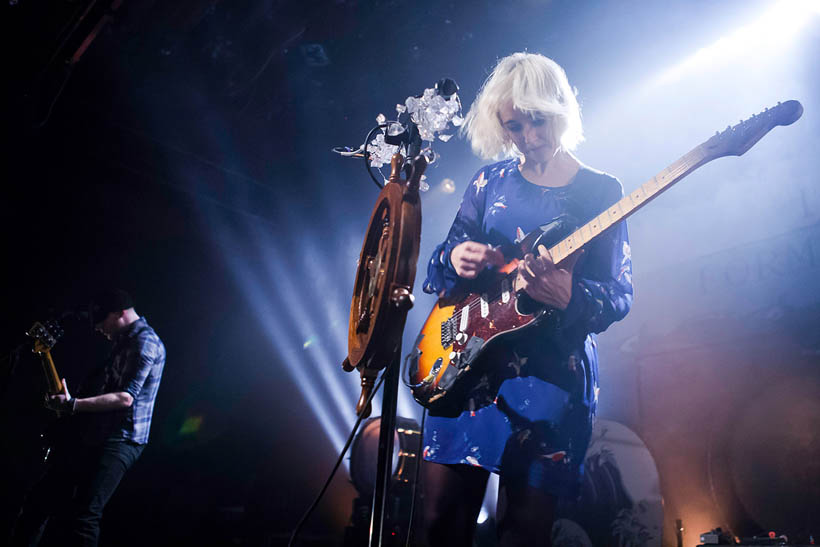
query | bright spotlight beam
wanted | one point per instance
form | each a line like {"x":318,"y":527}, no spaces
{"x":266,"y":314}
{"x":766,"y":35}
{"x":293,"y":358}
{"x":305,"y":324}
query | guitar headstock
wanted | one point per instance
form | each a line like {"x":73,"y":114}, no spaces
{"x":736,"y":140}
{"x":45,"y":335}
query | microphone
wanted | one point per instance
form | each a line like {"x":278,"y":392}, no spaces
{"x":446,"y":87}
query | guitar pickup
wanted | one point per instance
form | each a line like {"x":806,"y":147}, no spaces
{"x":505,"y":291}
{"x":465,"y":318}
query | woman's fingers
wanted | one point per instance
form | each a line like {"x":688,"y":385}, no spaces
{"x":470,"y":258}
{"x":525,"y":270}
{"x":494,"y":256}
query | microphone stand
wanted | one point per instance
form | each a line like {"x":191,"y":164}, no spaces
{"x":383,"y":294}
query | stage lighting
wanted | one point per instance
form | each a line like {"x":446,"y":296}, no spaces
{"x":765,"y":36}
{"x":266,"y":300}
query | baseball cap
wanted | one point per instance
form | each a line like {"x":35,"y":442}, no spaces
{"x":107,"y":301}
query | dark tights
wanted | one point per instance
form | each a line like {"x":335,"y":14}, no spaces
{"x":451,"y":501}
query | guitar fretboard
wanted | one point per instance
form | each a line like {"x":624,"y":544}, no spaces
{"x":630,"y":203}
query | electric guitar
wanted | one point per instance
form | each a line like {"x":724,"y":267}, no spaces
{"x":45,"y":337}
{"x":447,"y":358}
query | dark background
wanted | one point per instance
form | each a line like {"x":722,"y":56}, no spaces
{"x":185,"y":156}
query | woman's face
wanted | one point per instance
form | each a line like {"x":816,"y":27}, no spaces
{"x":531,"y":135}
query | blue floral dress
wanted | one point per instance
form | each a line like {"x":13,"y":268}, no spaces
{"x":531,"y":414}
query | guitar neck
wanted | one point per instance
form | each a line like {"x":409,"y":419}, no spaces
{"x":55,"y":385}
{"x":630,"y":203}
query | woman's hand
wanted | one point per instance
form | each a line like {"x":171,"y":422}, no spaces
{"x":544,"y":281}
{"x":470,"y":258}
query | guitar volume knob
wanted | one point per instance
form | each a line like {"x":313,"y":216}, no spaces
{"x":461,"y":337}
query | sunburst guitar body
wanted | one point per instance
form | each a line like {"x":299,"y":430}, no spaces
{"x":457,"y":334}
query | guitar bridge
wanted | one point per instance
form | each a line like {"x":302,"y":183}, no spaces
{"x":448,"y":333}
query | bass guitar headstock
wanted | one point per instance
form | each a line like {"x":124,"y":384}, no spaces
{"x":736,"y":140}
{"x":45,"y":335}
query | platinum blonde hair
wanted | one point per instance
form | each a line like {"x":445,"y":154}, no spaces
{"x":535,"y":85}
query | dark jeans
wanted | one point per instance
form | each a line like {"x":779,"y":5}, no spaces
{"x":78,"y":484}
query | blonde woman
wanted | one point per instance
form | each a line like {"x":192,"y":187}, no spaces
{"x":530,"y":419}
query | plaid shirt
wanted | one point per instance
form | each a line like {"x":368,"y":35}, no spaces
{"x":135,"y":367}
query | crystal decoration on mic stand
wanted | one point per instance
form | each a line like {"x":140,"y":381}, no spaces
{"x":380,"y":152}
{"x":432,"y":113}
{"x":420,"y":121}
{"x":435,"y":117}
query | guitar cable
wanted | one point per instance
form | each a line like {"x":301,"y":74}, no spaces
{"x":339,"y":461}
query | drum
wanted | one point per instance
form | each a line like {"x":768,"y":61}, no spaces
{"x":365,"y":452}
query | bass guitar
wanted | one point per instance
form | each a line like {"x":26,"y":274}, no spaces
{"x":447,"y":358}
